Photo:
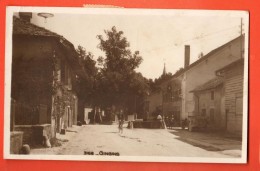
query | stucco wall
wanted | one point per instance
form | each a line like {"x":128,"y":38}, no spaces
{"x":204,"y":71}
{"x":204,"y":101}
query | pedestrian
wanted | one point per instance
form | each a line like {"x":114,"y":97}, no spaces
{"x":172,"y":121}
{"x":120,"y":121}
{"x":185,"y":123}
{"x":159,"y":117}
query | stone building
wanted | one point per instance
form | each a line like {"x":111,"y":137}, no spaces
{"x":45,"y":71}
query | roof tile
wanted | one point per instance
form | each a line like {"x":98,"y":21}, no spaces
{"x":21,"y":27}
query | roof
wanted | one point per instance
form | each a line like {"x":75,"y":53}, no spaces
{"x":211,"y":84}
{"x":22,"y":27}
{"x":231,"y":65}
{"x":213,"y":52}
{"x":205,"y":57}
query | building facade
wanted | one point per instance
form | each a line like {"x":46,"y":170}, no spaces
{"x":171,"y":100}
{"x":180,"y":95}
{"x":210,"y":105}
{"x":203,"y":70}
{"x":233,"y":75}
{"x":44,"y":74}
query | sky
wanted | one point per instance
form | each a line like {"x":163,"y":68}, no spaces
{"x":160,"y":38}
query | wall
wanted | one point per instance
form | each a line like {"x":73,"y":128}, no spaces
{"x":234,"y":94}
{"x":27,"y":132}
{"x":204,"y":71}
{"x":31,"y":59}
{"x":34,"y":56}
{"x":205,"y":102}
{"x":33,"y":134}
{"x":16,"y":142}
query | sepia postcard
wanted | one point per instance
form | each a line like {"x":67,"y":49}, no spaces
{"x":116,"y":84}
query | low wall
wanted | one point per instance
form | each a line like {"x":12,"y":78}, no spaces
{"x":150,"y":124}
{"x":27,"y":132}
{"x":33,"y":134}
{"x":16,"y":142}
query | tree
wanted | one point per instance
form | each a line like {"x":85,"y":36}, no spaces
{"x":118,"y":82}
{"x":118,"y":55}
{"x":88,"y":64}
{"x":155,"y":85}
{"x":85,"y":86}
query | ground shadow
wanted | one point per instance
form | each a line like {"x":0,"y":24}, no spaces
{"x":209,"y":141}
{"x":112,"y":132}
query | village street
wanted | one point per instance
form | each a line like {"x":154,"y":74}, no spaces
{"x":57,"y":85}
{"x":145,"y":142}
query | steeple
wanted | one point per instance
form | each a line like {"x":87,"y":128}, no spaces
{"x":164,"y":70}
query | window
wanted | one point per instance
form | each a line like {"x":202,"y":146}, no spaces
{"x":212,"y":95}
{"x":239,"y":106}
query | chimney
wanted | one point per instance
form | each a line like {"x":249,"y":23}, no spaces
{"x":187,"y":56}
{"x":26,"y":16}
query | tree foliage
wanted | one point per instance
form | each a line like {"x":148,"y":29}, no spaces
{"x":88,"y":64}
{"x":155,"y":85}
{"x":118,"y":82}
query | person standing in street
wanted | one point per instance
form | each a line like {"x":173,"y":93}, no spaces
{"x":159,"y":117}
{"x":120,"y":121}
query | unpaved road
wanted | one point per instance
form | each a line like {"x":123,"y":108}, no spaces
{"x":95,"y":139}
